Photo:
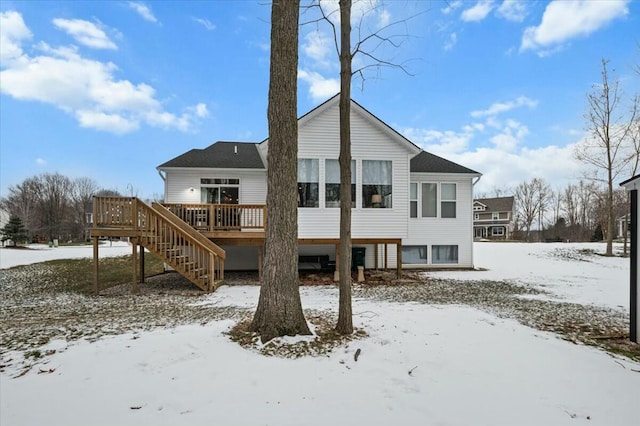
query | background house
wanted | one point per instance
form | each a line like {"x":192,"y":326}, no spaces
{"x":420,"y":202}
{"x":493,"y":218}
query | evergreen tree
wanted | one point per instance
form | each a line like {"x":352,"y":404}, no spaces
{"x":15,"y":231}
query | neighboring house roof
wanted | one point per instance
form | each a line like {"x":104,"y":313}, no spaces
{"x":631,"y":183}
{"x":426,"y":162}
{"x":220,"y":155}
{"x":498,"y":204}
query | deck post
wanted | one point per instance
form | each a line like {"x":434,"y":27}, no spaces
{"x":375,"y":251}
{"x":134,"y":261}
{"x":141,"y":264}
{"x":336,"y":274}
{"x":96,"y":285}
{"x":399,"y":259}
{"x":386,"y":257}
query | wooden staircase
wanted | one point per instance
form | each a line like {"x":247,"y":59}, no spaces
{"x":165,"y":235}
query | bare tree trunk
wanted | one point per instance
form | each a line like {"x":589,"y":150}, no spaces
{"x":279,"y":311}
{"x":345,"y":320}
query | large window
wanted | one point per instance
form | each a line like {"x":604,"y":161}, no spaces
{"x":332,"y":183}
{"x":377,"y":181}
{"x":219,"y":190}
{"x":444,"y":254}
{"x":414,"y":255}
{"x":429,"y":200}
{"x":448,"y":200}
{"x":413,"y":200}
{"x":308,"y":174}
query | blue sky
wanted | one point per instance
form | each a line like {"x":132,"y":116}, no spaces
{"x":110,"y":90}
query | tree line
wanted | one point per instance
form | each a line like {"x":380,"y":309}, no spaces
{"x":576,"y":212}
{"x":53,"y":206}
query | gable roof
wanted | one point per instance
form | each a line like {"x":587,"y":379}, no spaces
{"x":425,"y":162}
{"x":355,"y":106}
{"x":497,"y":204}
{"x":220,"y":155}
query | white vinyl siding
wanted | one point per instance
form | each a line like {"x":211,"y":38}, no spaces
{"x":320,"y":138}
{"x":253,"y":184}
{"x":436,"y":231}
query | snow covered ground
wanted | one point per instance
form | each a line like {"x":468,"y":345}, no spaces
{"x":573,"y":272}
{"x":10,"y":257}
{"x":419,"y":365}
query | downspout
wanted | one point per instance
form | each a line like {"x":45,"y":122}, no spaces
{"x":473,"y":265}
{"x":164,"y":180}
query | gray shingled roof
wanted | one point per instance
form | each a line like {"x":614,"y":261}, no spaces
{"x":498,"y":204}
{"x":426,"y":162}
{"x":221,"y":155}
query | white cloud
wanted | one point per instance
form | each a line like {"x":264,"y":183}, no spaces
{"x":85,"y":32}
{"x":451,"y":42}
{"x":384,"y":18}
{"x":436,"y":141}
{"x":500,"y":107}
{"x":512,"y":10}
{"x":201,"y":110}
{"x":205,"y":23}
{"x":13,"y":32}
{"x":510,"y":136}
{"x":143,"y":10}
{"x":320,"y":87}
{"x":451,"y":6}
{"x":477,"y":12}
{"x":114,"y":123}
{"x":317,"y":46}
{"x":565,"y":20}
{"x":41,"y":161}
{"x":86,"y":89}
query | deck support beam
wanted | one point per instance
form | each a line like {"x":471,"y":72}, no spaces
{"x":134,"y":261}
{"x":141,"y":264}
{"x":399,"y":259}
{"x":336,"y":274}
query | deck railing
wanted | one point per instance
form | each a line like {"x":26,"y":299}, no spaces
{"x":221,"y":217}
{"x":182,"y":247}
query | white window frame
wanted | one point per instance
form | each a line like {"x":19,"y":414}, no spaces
{"x":223,"y":182}
{"x":453,"y":200}
{"x":495,"y":216}
{"x":497,"y":234}
{"x":457,"y":251}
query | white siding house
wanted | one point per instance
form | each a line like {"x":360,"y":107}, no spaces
{"x":401,"y":192}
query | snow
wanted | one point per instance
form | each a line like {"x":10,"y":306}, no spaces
{"x":35,"y":253}
{"x":567,"y":270}
{"x":419,"y":365}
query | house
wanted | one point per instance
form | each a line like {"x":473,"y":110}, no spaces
{"x":493,"y":218}
{"x":622,"y":224}
{"x":411,"y":208}
{"x":399,"y":191}
{"x":633,"y":186}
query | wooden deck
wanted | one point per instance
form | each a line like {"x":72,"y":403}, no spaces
{"x":221,"y":224}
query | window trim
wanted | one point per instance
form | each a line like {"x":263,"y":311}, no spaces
{"x":364,"y":203}
{"x":457,"y":252}
{"x":317,"y":182}
{"x":354,"y":183}
{"x":455,"y":200}
{"x":220,"y":182}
